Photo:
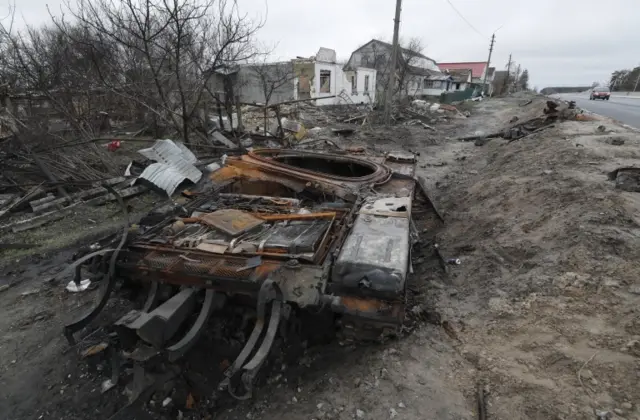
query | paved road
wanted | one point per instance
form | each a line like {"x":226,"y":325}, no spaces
{"x":622,"y":109}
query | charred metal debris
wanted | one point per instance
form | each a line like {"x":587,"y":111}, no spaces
{"x":554,"y":112}
{"x":283,"y":232}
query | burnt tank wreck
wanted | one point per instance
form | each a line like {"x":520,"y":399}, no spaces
{"x":281,"y":236}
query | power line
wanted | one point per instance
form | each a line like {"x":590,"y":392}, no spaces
{"x":465,"y":19}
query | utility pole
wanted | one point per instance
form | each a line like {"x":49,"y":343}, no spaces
{"x":506,"y":80}
{"x":486,"y":70}
{"x":637,"y":80}
{"x":394,"y":61}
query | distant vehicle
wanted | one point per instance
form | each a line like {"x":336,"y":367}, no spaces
{"x":600,"y":93}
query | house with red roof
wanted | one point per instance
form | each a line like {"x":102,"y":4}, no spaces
{"x":478,"y":70}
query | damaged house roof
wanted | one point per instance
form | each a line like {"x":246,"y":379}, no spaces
{"x":430,"y":74}
{"x":459,"y":75}
{"x":477,"y":67}
{"x":404,"y":50}
{"x":405,"y":53}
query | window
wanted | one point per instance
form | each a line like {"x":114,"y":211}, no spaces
{"x":325,"y":81}
{"x":428,"y":84}
{"x":354,"y":84}
{"x":457,"y":86}
{"x":437,"y":84}
{"x":366,"y":83}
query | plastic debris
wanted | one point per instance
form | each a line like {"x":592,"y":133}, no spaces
{"x":75,"y":288}
{"x":107,"y":384}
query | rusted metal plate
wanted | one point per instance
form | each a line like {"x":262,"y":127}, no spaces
{"x":391,"y":312}
{"x":387,"y":206}
{"x":202,"y":269}
{"x":231,"y":221}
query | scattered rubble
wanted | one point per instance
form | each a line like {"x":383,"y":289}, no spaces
{"x":519,"y":129}
{"x":627,"y":179}
{"x":514,"y":217}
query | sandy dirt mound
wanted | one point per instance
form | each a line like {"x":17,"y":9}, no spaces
{"x":547,"y":293}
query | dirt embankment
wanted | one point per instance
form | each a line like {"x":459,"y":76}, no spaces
{"x":542,"y":312}
{"x":547,"y":294}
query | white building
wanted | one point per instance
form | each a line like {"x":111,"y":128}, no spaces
{"x":321,"y":76}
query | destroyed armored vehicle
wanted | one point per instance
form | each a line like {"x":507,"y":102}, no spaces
{"x":282,"y":231}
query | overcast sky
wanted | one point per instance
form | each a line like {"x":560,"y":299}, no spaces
{"x":560,"y":42}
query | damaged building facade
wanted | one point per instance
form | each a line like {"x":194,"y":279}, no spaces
{"x":321,"y":76}
{"x":461,"y":79}
{"x":318,"y":76}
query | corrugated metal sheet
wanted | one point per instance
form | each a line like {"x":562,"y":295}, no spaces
{"x":163,"y":176}
{"x":175,"y":163}
{"x":175,"y":155}
{"x":186,"y":153}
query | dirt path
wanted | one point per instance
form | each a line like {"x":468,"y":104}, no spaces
{"x":542,"y":311}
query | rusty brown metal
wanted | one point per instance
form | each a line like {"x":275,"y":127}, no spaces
{"x":198,"y":268}
{"x":238,"y":169}
{"x":261,"y":165}
{"x":267,"y":156}
{"x":231,"y":221}
{"x":274,"y":217}
{"x":304,"y":273}
{"x":381,"y":312}
{"x":363,"y":304}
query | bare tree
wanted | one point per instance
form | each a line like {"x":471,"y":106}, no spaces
{"x":408,"y":74}
{"x":523,"y":80}
{"x":272,"y":78}
{"x":43,"y":63}
{"x":166,"y":51}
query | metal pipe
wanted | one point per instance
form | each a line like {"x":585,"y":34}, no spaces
{"x":292,"y":201}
